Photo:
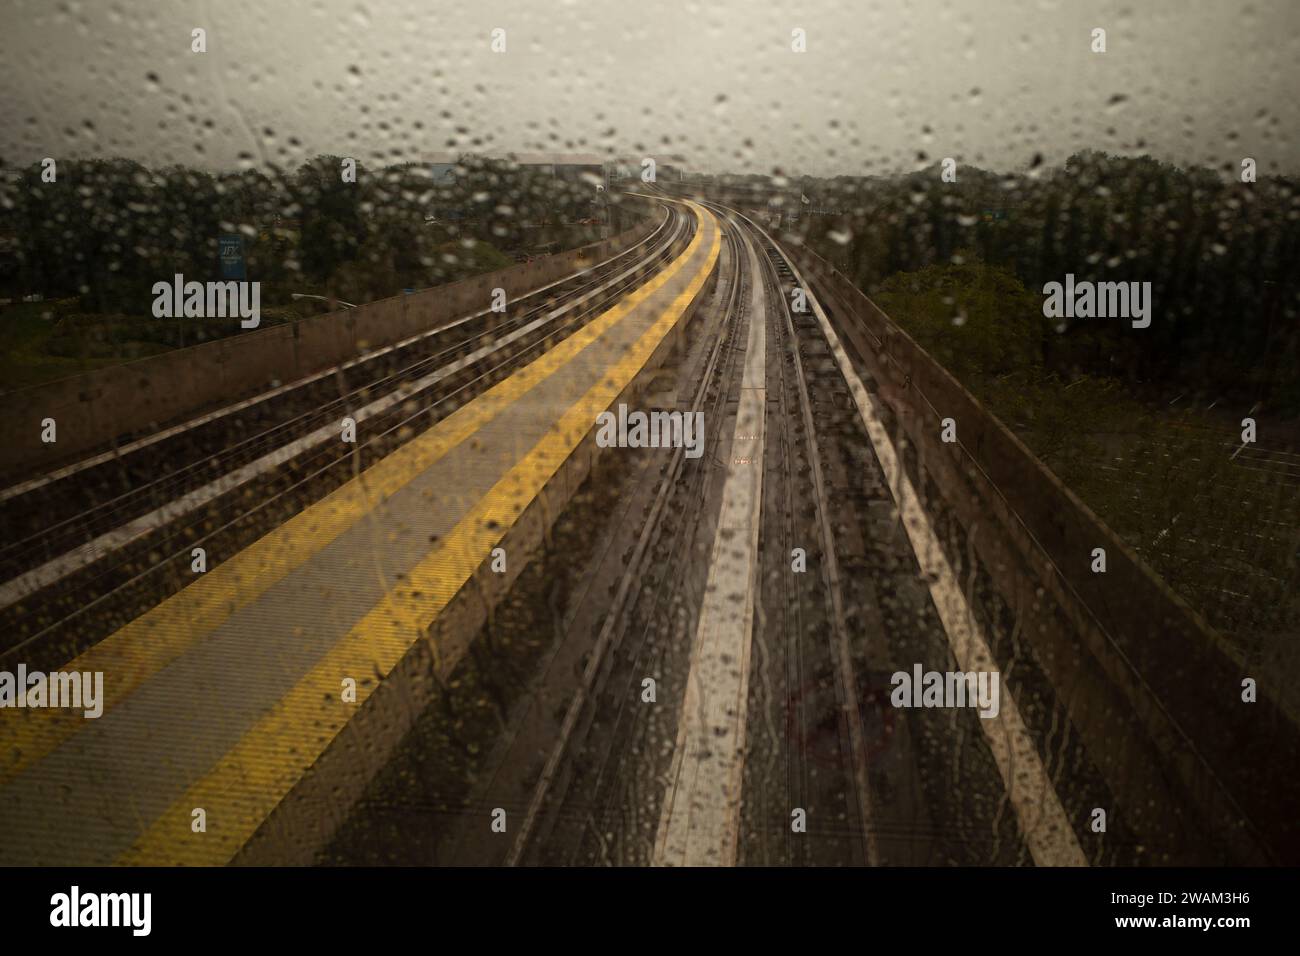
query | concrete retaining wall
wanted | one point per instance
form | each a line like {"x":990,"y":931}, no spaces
{"x":105,"y":407}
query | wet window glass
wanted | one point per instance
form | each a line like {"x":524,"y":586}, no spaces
{"x":707,"y":434}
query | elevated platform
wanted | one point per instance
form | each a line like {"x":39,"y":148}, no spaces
{"x":222,"y":697}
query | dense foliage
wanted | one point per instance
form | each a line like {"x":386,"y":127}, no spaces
{"x":1221,"y":256}
{"x":107,"y":229}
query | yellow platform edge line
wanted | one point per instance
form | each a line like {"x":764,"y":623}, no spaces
{"x":134,"y":653}
{"x":248,"y":782}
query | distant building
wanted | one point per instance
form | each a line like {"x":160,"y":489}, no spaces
{"x":443,"y":173}
{"x":668,"y":168}
{"x":572,"y":167}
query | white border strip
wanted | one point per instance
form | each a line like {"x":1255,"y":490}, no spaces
{"x":699,"y":821}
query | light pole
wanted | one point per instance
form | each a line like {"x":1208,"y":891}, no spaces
{"x":602,"y":198}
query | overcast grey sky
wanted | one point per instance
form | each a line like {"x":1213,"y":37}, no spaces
{"x":986,"y":81}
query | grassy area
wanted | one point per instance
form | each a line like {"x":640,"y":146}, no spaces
{"x":1221,"y":530}
{"x":27,"y":331}
{"x":44,"y":341}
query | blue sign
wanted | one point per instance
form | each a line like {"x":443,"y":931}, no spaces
{"x":230,"y":248}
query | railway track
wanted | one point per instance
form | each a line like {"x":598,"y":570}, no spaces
{"x":591,"y":780}
{"x":821,"y":739}
{"x":892,"y":582}
{"x":820,"y":709}
{"x":116,"y":534}
{"x":590,"y":804}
